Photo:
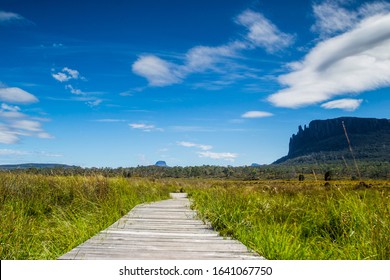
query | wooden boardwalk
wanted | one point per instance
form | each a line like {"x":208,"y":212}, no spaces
{"x":161,"y":230}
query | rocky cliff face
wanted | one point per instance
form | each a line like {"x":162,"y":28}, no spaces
{"x":369,"y":137}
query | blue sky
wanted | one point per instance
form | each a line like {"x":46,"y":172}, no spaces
{"x":127,"y":83}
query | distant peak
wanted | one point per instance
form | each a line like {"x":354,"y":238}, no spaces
{"x":161,"y":163}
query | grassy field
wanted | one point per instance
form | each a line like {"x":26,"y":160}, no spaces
{"x":42,"y":217}
{"x":296,"y":220}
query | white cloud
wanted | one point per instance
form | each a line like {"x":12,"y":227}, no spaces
{"x":67,"y":74}
{"x":10,"y":108}
{"x":263,"y":33}
{"x":224,"y":156}
{"x":74,"y":74}
{"x":44,"y":135}
{"x":157,"y":71}
{"x":346,"y":104}
{"x":16,"y":95}
{"x":207,"y":153}
{"x":27,"y":125}
{"x":219,"y":59}
{"x":16,"y":124}
{"x":145,"y":127}
{"x":256,"y":114}
{"x":61,"y":77}
{"x":332,"y":18}
{"x":350,"y":63}
{"x":11,"y":114}
{"x":190,"y":144}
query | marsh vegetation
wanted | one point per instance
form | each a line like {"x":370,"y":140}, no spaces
{"x":44,"y":216}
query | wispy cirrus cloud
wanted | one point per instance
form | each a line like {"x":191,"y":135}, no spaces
{"x":263,"y":33}
{"x":94,"y":103}
{"x":190,"y":144}
{"x":74,"y":90}
{"x":205,"y":151}
{"x":355,"y":61}
{"x":218,"y":59}
{"x":220,"y":156}
{"x":333,"y":17}
{"x":145,"y":127}
{"x":109,"y":120}
{"x":12,"y":155}
{"x":8,"y":152}
{"x":10,"y":18}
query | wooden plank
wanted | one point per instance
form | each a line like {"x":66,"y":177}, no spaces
{"x":160,"y":230}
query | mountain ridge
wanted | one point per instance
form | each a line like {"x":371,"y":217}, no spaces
{"x":326,"y":140}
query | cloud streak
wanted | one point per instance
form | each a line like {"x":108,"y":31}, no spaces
{"x":332,"y":17}
{"x":206,"y":153}
{"x":190,"y":144}
{"x":10,"y":18}
{"x":263,"y":33}
{"x":218,"y":59}
{"x":145,"y":127}
{"x":220,"y":156}
{"x":350,"y":63}
{"x":16,"y":95}
{"x":346,"y":104}
{"x":256,"y":114}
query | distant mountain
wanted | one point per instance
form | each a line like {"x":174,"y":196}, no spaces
{"x":33,"y":165}
{"x":325,"y":140}
{"x":161,"y":163}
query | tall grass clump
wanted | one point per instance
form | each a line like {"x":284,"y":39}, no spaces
{"x":43,"y":217}
{"x":301,"y":222}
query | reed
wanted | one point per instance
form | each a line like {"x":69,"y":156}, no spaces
{"x":42,"y":217}
{"x":306,"y":221}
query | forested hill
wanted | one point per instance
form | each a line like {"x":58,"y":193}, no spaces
{"x":33,"y":165}
{"x":325,"y":140}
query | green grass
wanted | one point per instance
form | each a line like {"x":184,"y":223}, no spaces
{"x":43,"y":217}
{"x":291,"y":220}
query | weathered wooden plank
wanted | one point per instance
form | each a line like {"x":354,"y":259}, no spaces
{"x":161,"y":230}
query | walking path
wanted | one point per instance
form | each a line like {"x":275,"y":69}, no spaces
{"x":161,"y":230}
